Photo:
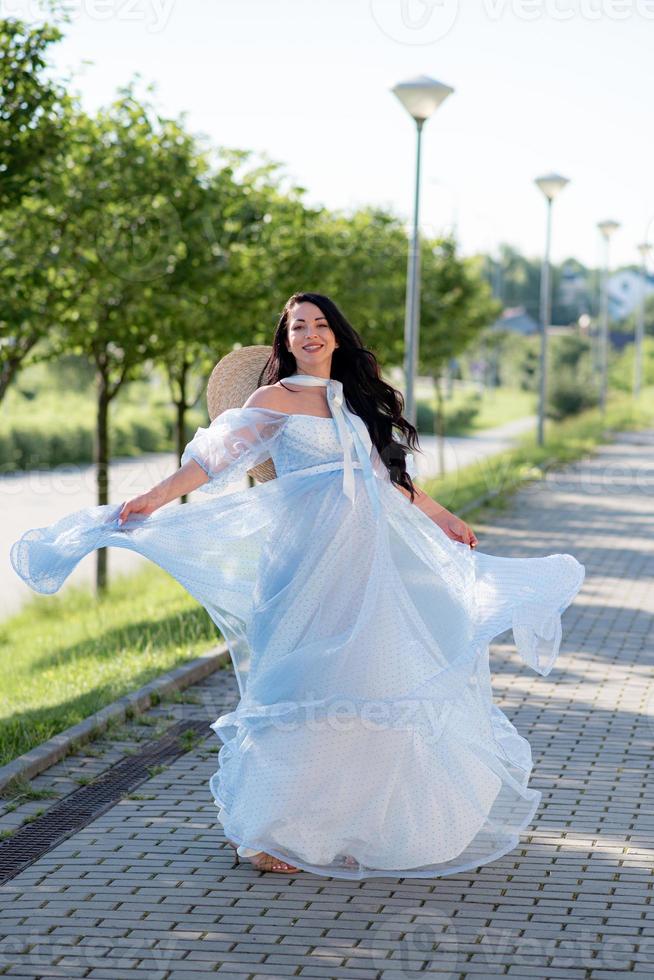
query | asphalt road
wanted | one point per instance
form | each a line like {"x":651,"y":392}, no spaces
{"x":41,"y":497}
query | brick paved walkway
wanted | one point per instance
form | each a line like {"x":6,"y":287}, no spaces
{"x":146,"y":891}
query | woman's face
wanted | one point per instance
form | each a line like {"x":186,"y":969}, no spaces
{"x":310,"y":339}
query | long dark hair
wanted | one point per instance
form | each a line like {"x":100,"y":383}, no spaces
{"x":367,"y":394}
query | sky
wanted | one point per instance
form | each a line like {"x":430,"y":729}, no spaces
{"x":539,"y":86}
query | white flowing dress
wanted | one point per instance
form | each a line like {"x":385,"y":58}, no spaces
{"x":365,"y":740}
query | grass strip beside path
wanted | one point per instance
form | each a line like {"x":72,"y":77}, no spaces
{"x":63,"y":657}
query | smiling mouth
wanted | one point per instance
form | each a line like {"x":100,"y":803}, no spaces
{"x":311,"y":347}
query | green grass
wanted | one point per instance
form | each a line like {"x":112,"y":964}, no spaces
{"x":495,"y":406}
{"x":501,"y":405}
{"x":565,"y":442}
{"x":62,"y":657}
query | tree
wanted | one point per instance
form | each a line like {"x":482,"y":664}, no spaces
{"x":126,"y":170}
{"x":456,"y":305}
{"x":35,"y":123}
{"x":207,"y":307}
{"x":32,"y":110}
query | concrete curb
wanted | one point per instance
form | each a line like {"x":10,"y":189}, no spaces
{"x":47,"y":753}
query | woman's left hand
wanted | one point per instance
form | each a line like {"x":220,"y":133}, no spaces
{"x":456,"y":529}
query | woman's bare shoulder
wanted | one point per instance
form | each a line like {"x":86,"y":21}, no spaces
{"x":267,"y":396}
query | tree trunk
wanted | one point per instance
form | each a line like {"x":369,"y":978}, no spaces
{"x":450,"y":379}
{"x":180,"y":435}
{"x":8,"y":372}
{"x":101,"y":453}
{"x":10,"y":368}
{"x":180,"y":418}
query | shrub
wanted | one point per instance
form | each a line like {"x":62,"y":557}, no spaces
{"x":570,"y":391}
{"x":458,"y":419}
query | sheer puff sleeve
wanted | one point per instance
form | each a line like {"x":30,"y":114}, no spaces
{"x":237,"y":440}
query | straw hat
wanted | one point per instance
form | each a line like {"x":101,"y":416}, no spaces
{"x":232,"y":381}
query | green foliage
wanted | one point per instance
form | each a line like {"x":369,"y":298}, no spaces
{"x":54,"y":434}
{"x":456,"y":304}
{"x":568,"y":350}
{"x":44,"y":424}
{"x":515,"y":358}
{"x":622,"y":366}
{"x":570,"y":391}
{"x":32,"y":108}
{"x":629,"y":324}
{"x":458,"y":419}
{"x":572,"y":385}
{"x":517,"y":279}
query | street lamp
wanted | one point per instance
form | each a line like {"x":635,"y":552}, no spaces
{"x":644,"y":249}
{"x":421,"y":97}
{"x":550,"y":185}
{"x":607,"y":229}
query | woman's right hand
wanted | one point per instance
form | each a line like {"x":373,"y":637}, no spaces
{"x":145,"y":503}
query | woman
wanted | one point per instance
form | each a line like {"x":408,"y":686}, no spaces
{"x":358,"y":616}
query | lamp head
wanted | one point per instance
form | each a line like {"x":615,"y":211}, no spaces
{"x":607,"y":228}
{"x":421,"y":96}
{"x":551,"y":185}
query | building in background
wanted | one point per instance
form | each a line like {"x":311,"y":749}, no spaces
{"x":625,"y":290}
{"x":515,"y":319}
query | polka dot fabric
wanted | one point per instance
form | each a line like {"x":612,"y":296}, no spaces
{"x":365,"y":741}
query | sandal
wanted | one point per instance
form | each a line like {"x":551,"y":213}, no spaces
{"x":264,"y":862}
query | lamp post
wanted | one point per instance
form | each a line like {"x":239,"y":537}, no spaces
{"x":644,"y":249}
{"x":607,"y":229}
{"x":421,"y":97}
{"x":550,"y":185}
